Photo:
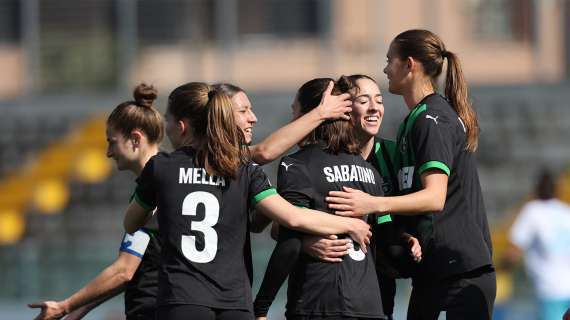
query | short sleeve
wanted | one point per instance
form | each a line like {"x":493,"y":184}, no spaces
{"x":145,"y":192}
{"x":432,"y":137}
{"x":135,"y":243}
{"x":522,"y":233}
{"x":294,"y":183}
{"x":259,"y":185}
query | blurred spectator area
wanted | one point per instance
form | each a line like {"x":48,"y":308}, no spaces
{"x":58,"y":46}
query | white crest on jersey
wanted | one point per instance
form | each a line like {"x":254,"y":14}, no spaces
{"x":462,"y":124}
{"x":432,"y":117}
{"x":286,"y":166}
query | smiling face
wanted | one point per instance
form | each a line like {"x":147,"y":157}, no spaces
{"x":367,"y":108}
{"x":121,"y":149}
{"x":243,"y":114}
{"x":396,"y":71}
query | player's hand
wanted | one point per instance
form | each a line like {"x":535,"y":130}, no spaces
{"x":415,"y":248}
{"x":51,"y":310}
{"x":360,"y":232}
{"x":334,"y":107}
{"x":327,"y":249}
{"x":351,"y":202}
{"x":260,"y":318}
{"x":566,"y":315}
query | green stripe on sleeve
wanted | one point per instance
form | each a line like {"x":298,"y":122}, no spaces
{"x":383,"y":219}
{"x":262,"y":195}
{"x":434,"y":164}
{"x":141,"y":203}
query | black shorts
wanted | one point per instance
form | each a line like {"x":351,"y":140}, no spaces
{"x":468,"y":296}
{"x":196,"y":312}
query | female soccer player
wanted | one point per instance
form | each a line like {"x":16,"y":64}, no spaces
{"x":134,"y":132}
{"x":441,"y":195}
{"x":203,"y":191}
{"x":395,"y":255}
{"x":329,"y":158}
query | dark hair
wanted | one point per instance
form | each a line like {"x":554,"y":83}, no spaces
{"x":139,"y":114}
{"x":209,"y":112}
{"x":546,"y":185}
{"x":337,"y":134}
{"x":353,"y":78}
{"x":427,"y":48}
{"x":229,"y":89}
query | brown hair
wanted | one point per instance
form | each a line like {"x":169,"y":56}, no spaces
{"x":220,"y":143}
{"x":426,"y":47}
{"x":338,"y":135}
{"x":139,"y":114}
{"x":229,"y":89}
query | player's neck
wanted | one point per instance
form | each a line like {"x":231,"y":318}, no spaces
{"x":366,"y":144}
{"x":137,"y":170}
{"x":417,"y":92}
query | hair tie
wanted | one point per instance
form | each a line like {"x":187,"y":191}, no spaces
{"x":445,"y":54}
{"x":211,"y":94}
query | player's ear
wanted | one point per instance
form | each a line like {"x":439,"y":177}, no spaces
{"x":136,"y":137}
{"x":183,"y":126}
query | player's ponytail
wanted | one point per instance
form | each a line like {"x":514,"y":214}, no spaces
{"x":225,"y":144}
{"x":427,"y":48}
{"x":457,"y":93}
{"x":139,"y":114}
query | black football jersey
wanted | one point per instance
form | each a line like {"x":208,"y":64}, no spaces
{"x":456,"y":240}
{"x":349,"y":288}
{"x":203,"y":224}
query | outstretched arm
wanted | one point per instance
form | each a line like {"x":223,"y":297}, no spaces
{"x":330,"y":108}
{"x":355,"y":203}
{"x":108,"y":283}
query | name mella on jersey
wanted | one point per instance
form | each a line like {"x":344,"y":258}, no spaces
{"x":199,"y":176}
{"x":349,"y":173}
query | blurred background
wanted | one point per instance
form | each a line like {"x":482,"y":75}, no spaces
{"x":65,"y":64}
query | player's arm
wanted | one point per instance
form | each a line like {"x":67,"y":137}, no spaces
{"x":280,"y":265}
{"x":431,"y":199}
{"x":312,"y":221}
{"x":108,"y":283}
{"x":330,"y":108}
{"x":136,"y":216}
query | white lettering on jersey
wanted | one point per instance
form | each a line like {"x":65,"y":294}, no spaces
{"x":349,"y":173}
{"x":432,"y":118}
{"x":135,"y":243}
{"x":406,"y":177}
{"x":199,"y":176}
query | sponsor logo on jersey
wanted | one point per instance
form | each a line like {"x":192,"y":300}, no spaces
{"x":286,"y":166}
{"x":432,"y":118}
{"x":199,"y":176}
{"x":349,"y":173}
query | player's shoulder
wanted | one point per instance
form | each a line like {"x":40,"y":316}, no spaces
{"x":434,"y":110}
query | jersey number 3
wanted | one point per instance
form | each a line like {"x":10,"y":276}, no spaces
{"x":212,"y":208}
